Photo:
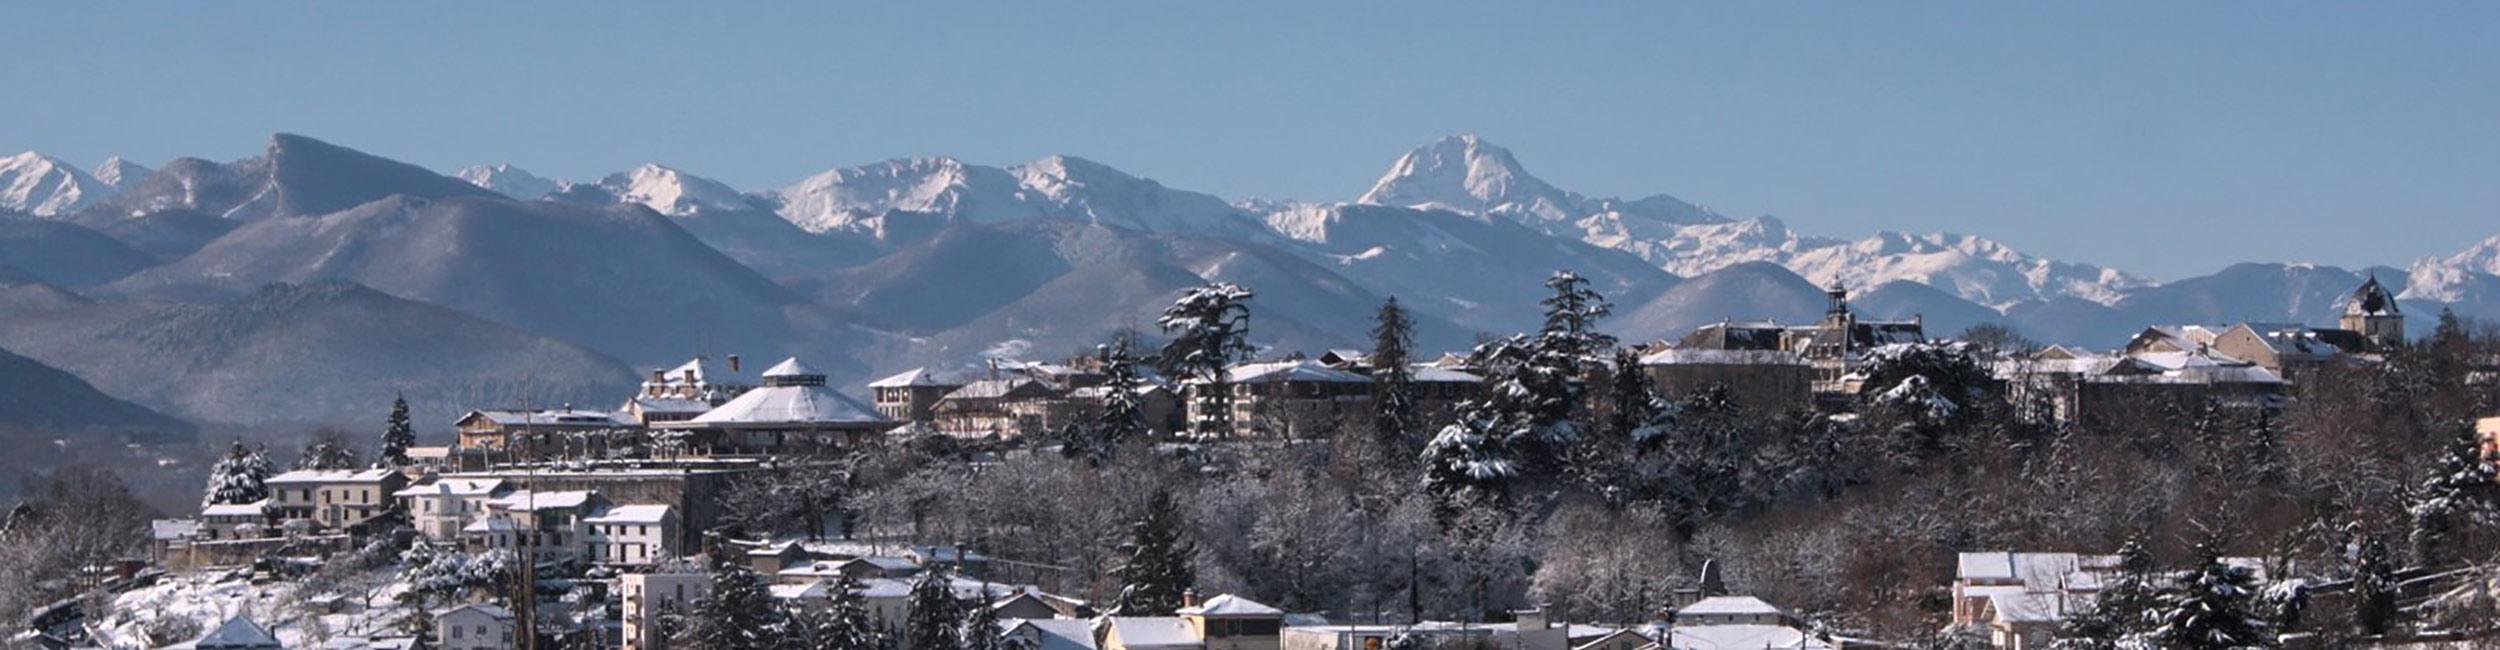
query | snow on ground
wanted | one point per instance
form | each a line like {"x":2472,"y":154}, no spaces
{"x":209,"y":597}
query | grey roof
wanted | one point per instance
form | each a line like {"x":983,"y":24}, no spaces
{"x":238,"y":633}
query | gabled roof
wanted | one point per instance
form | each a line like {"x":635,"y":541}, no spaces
{"x":1439,"y":375}
{"x":913,"y":377}
{"x":1231,"y":606}
{"x":1729,"y":605}
{"x":708,"y":371}
{"x":491,"y":611}
{"x":1292,"y":371}
{"x":548,"y":418}
{"x":1001,"y":388}
{"x":791,"y":367}
{"x":236,"y":634}
{"x":453,"y":487}
{"x":642,"y":513}
{"x":1155,"y":632}
{"x":333,"y":476}
{"x":1055,"y":633}
{"x":253,"y":509}
{"x":526,"y":500}
{"x":2372,"y":299}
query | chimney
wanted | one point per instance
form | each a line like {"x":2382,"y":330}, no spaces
{"x":733,"y":363}
{"x":659,"y":376}
{"x":1189,"y":597}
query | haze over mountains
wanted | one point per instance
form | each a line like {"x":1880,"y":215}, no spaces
{"x":312,"y":282}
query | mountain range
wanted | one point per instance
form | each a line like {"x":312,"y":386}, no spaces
{"x":306,"y":283}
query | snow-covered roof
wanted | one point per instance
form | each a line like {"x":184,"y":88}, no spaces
{"x":550,"y":418}
{"x":452,"y":487}
{"x":2028,"y":607}
{"x":1056,"y":633}
{"x":491,"y":524}
{"x":1742,"y":637}
{"x":1704,"y":356}
{"x":993,"y":388}
{"x":171,"y":529}
{"x":885,"y":563}
{"x":1155,"y":632}
{"x":708,"y":371}
{"x":237,"y":633}
{"x":1229,"y":606}
{"x":491,"y":611}
{"x":332,"y":476}
{"x":816,"y":589}
{"x":527,"y":500}
{"x":913,"y":377}
{"x":1440,"y":375}
{"x":669,"y":405}
{"x":253,"y":509}
{"x":1293,"y":371}
{"x":789,"y":405}
{"x":630,"y":514}
{"x":791,"y":367}
{"x":1729,"y":605}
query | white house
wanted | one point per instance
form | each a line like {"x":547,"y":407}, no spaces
{"x":475,"y":626}
{"x":439,"y":508}
{"x":630,"y":534}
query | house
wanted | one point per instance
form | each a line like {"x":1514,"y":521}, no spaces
{"x":2021,"y":598}
{"x":1762,"y":379}
{"x":234,"y":520}
{"x":547,"y":522}
{"x":1157,"y":404}
{"x":702,"y":379}
{"x":1624,"y":639}
{"x":1831,"y":347}
{"x":2371,"y":313}
{"x":662,"y":411}
{"x":792,"y":411}
{"x":1288,"y":399}
{"x":1150,"y":633}
{"x":911,"y":395}
{"x":630,"y":535}
{"x":771,"y":559}
{"x":1051,"y":633}
{"x":475,"y":626}
{"x":440,"y":507}
{"x":1741,"y":637}
{"x":237,"y":633}
{"x":1001,"y":407}
{"x":1730,"y":610}
{"x":649,"y":598}
{"x":333,"y":499}
{"x":524,"y":432}
{"x":1225,"y":622}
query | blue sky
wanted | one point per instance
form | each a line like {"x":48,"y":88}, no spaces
{"x":2162,"y":138}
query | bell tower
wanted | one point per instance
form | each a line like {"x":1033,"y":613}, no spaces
{"x":2372,"y":311}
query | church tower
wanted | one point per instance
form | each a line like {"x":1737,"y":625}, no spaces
{"x":2372,"y":311}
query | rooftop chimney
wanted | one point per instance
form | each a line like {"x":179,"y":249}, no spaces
{"x":1189,"y":597}
{"x":733,"y":363}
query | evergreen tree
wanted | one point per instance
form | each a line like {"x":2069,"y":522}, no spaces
{"x":935,"y":618}
{"x":2118,"y":615}
{"x":1210,"y":327}
{"x":1471,"y":458}
{"x":2458,"y":489}
{"x":1634,"y":410}
{"x":1155,"y":567}
{"x":327,"y":451}
{"x":1571,"y":316}
{"x":739,"y":613}
{"x":981,"y":630}
{"x":2373,"y":589}
{"x":2211,"y":606}
{"x":241,"y":477}
{"x":397,"y":436}
{"x":1123,"y":415}
{"x":1394,"y":418}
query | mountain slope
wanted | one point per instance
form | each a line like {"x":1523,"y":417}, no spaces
{"x":1752,"y":291}
{"x":312,"y":354}
{"x":46,"y":186}
{"x":296,"y":176}
{"x":37,"y":397}
{"x":620,"y":279}
{"x":67,"y":254}
{"x":900,"y":200}
{"x":1487,"y":274}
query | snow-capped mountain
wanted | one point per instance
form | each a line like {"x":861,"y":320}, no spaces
{"x":1464,"y":173}
{"x":673,"y":192}
{"x":2447,"y":279}
{"x":911,"y":197}
{"x":120,"y":173}
{"x":45,"y":186}
{"x":510,"y":181}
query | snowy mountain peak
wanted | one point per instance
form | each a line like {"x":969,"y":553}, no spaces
{"x":120,"y":173}
{"x":672,"y":192}
{"x":42,"y":185}
{"x":1464,"y":173}
{"x":858,"y":198}
{"x":2446,"y":279}
{"x":510,"y":181}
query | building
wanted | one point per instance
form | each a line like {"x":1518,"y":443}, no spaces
{"x":2372,"y":313}
{"x":550,"y":523}
{"x":630,"y":535}
{"x":1051,"y":633}
{"x":440,"y":507}
{"x":2063,"y":385}
{"x":1730,"y":610}
{"x":523,"y":432}
{"x":648,"y":598}
{"x":701,"y":379}
{"x":1762,"y":379}
{"x":234,"y":520}
{"x":2022,"y":598}
{"x":475,"y":626}
{"x":1289,"y":399}
{"x":792,"y":412}
{"x":911,"y":395}
{"x":333,"y":499}
{"x":1002,"y":406}
{"x":1831,"y":347}
{"x":237,"y":633}
{"x":1224,"y":622}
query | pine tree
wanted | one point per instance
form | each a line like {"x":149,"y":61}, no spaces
{"x":1123,"y":415}
{"x":398,"y":434}
{"x":1210,"y":327}
{"x":2118,"y":614}
{"x":934,"y":618}
{"x":327,"y":451}
{"x":2211,"y":607}
{"x":241,"y":477}
{"x":1571,"y":316}
{"x":1633,"y":406}
{"x":2458,"y":489}
{"x":981,"y":630}
{"x":1394,"y":417}
{"x":739,"y":613}
{"x":1155,"y":567}
{"x":1471,"y":458}
{"x":2373,"y":589}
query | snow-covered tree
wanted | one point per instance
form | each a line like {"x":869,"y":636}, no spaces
{"x":981,"y":630}
{"x":1122,"y":417}
{"x":242,"y":476}
{"x":398,"y":434}
{"x":935,"y":617}
{"x":738,"y":613}
{"x":1394,"y":418}
{"x":2373,"y":588}
{"x":2211,"y":606}
{"x":1156,"y":561}
{"x":2458,"y":491}
{"x":1210,"y":328}
{"x":328,"y":450}
{"x":1571,"y":316}
{"x":2118,"y":616}
{"x":797,"y":499}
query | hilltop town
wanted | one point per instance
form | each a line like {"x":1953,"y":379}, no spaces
{"x":1849,"y":482}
